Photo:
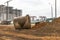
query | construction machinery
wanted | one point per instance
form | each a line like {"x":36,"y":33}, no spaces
{"x":23,"y":22}
{"x":5,"y":22}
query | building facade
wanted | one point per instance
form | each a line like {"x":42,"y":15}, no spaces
{"x":17,"y":12}
{"x":8,"y":13}
{"x":2,"y":12}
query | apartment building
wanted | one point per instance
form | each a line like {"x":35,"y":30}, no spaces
{"x":17,"y":12}
{"x":8,"y":13}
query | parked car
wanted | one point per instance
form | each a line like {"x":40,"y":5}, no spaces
{"x":5,"y":22}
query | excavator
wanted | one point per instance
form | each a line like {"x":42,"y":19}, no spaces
{"x":23,"y":22}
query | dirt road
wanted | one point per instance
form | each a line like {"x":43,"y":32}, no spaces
{"x":7,"y":32}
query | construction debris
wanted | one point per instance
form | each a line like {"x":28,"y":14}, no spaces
{"x":4,"y":22}
{"x":39,"y":24}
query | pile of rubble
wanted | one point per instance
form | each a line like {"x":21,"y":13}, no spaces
{"x":45,"y":29}
{"x":55,"y":21}
{"x":39,"y":25}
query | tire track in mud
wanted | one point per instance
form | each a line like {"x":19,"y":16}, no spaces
{"x":15,"y":34}
{"x":24,"y":36}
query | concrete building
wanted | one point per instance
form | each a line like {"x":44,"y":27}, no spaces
{"x":17,"y":12}
{"x":8,"y":13}
{"x":33,"y":18}
{"x":2,"y":12}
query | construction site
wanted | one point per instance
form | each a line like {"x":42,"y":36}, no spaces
{"x":24,"y":30}
{"x":14,"y":26}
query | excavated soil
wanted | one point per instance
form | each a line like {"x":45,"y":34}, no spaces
{"x":7,"y":32}
{"x":41,"y":31}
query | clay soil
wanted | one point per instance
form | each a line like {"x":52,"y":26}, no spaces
{"x":7,"y":32}
{"x":41,"y":31}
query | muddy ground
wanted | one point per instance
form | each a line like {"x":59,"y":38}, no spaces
{"x":8,"y":32}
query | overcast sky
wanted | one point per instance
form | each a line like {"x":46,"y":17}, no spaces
{"x":34,"y":7}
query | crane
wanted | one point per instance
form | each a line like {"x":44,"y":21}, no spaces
{"x":7,"y":15}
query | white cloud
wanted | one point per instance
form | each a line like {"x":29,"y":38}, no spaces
{"x":34,"y":7}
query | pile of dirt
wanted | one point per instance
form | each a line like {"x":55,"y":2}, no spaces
{"x":56,"y":20}
{"x":39,"y":25}
{"x":47,"y":28}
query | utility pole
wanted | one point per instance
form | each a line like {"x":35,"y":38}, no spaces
{"x":51,"y":8}
{"x":7,"y":15}
{"x":51,"y":11}
{"x":55,"y":8}
{"x":16,"y":13}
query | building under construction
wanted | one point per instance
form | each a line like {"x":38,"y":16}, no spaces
{"x":8,"y":13}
